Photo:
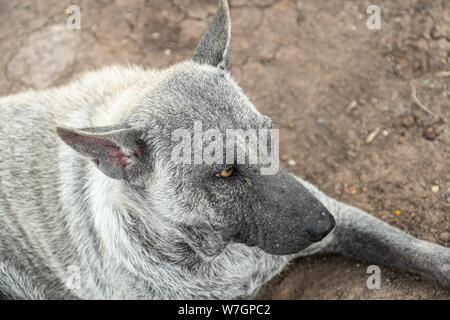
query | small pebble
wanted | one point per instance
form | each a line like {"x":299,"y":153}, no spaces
{"x":435,"y":189}
{"x":321,"y":121}
{"x":352,"y":190}
{"x":155,"y":35}
{"x":292,"y":162}
{"x":352,"y":106}
{"x":445,"y":236}
{"x":167,"y":52}
{"x":351,"y":154}
{"x":408,"y":121}
{"x":291,"y":125}
{"x":430,"y":133}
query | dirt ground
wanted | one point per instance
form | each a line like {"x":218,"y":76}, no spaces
{"x":340,"y":93}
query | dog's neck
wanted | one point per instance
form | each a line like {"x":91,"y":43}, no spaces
{"x":128,"y":237}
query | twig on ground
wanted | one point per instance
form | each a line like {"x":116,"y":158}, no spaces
{"x":442,"y":74}
{"x":373,"y":135}
{"x":417,"y":101}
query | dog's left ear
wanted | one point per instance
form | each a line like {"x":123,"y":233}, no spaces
{"x":214,"y":47}
{"x":120,"y":153}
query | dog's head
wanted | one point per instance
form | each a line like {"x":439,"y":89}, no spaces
{"x":194,"y":185}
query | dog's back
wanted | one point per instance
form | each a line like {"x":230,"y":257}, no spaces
{"x":37,"y":226}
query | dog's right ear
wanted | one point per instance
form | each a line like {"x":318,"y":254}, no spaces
{"x":118,"y":152}
{"x":214,"y":47}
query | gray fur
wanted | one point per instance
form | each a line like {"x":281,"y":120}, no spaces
{"x":107,"y":200}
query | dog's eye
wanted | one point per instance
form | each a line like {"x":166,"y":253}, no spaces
{"x":225,"y":173}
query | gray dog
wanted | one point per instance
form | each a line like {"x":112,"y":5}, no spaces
{"x":93,"y":207}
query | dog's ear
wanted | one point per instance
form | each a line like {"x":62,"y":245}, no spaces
{"x":120,"y":153}
{"x":214,"y":47}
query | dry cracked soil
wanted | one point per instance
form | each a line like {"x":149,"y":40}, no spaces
{"x":340,"y":93}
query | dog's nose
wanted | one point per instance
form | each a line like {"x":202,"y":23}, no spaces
{"x":321,"y":225}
